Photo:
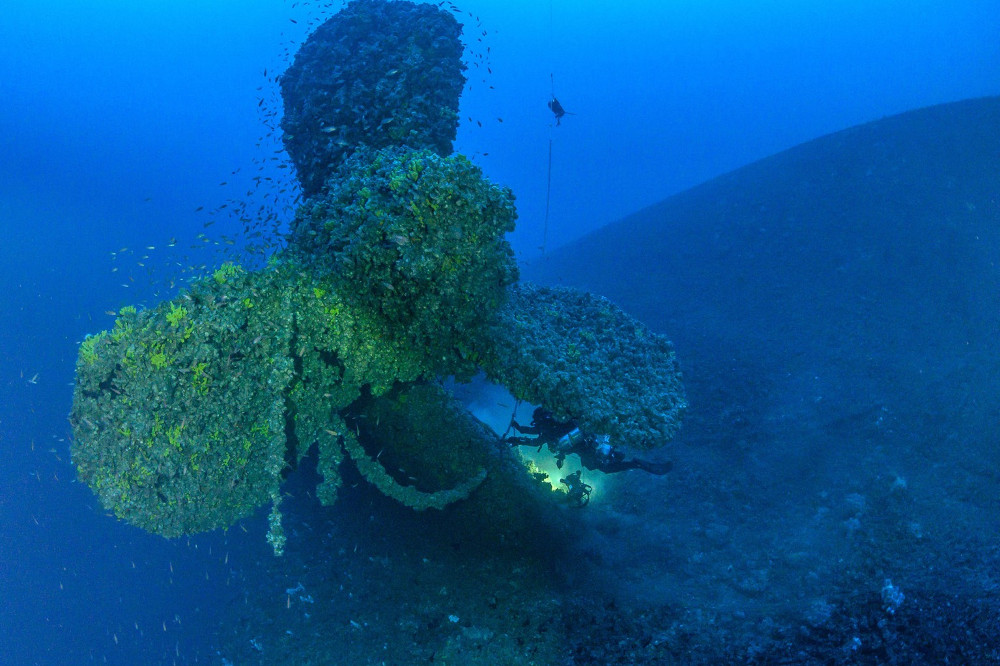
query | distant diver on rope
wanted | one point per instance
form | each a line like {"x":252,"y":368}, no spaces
{"x":554,"y":105}
{"x":558,"y":110}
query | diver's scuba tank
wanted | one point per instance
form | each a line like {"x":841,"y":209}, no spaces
{"x":567,"y":442}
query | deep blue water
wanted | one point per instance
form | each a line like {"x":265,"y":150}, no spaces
{"x":120,"y":119}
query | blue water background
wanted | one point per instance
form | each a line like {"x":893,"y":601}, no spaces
{"x":119,"y":119}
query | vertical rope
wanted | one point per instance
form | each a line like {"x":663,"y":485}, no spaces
{"x":548,"y":196}
{"x":552,"y":83}
{"x":552,"y":21}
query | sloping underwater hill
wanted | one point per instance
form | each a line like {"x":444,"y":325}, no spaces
{"x":882,"y":236}
{"x":835,"y":309}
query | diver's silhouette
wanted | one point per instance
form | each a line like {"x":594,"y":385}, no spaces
{"x":558,"y":110}
{"x":564,"y":437}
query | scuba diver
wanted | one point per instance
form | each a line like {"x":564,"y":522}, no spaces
{"x":577,"y":492}
{"x":558,"y":110}
{"x":564,"y":437}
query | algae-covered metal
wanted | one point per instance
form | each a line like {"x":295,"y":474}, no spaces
{"x":187,"y":416}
